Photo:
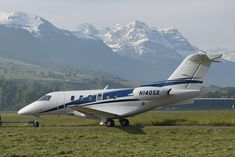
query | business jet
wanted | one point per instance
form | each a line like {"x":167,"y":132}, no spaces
{"x":106,"y":104}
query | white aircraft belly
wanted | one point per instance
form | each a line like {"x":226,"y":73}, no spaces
{"x":121,"y":108}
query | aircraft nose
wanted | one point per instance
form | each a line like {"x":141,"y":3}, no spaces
{"x":23,"y":111}
{"x":27,"y":110}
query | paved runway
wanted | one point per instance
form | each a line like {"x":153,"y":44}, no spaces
{"x":123,"y":128}
{"x":143,"y":127}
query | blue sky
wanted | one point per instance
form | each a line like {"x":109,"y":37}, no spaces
{"x":206,"y":23}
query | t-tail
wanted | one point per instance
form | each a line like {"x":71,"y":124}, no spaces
{"x":192,"y":70}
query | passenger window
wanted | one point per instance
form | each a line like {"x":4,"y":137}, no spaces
{"x":81,"y":97}
{"x":90,"y":98}
{"x":72,"y":98}
{"x":107,"y":97}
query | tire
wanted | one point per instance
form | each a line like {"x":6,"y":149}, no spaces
{"x":110,"y":123}
{"x":36,"y":124}
{"x":124,"y":122}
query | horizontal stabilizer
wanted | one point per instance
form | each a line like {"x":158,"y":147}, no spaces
{"x":202,"y":57}
{"x":214,"y":56}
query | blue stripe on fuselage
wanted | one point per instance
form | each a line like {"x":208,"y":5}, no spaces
{"x":106,"y":96}
{"x":121,"y":93}
{"x":126,"y":92}
{"x":170,"y":82}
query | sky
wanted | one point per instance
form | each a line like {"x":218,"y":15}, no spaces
{"x":205,"y":23}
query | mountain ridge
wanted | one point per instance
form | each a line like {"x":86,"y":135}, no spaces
{"x":140,"y":53}
{"x":56,"y":47}
{"x":139,"y":41}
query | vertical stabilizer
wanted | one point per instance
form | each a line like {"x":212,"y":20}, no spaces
{"x":193,"y":69}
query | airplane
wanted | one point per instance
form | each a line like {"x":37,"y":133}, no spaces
{"x":106,"y":104}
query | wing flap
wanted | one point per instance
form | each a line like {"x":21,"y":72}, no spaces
{"x":93,"y":113}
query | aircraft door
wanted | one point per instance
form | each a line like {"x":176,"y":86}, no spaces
{"x":99,"y":97}
{"x":61,"y":98}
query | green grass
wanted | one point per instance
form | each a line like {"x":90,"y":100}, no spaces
{"x":220,"y":117}
{"x":102,"y":141}
{"x":210,"y":117}
{"x":134,"y":141}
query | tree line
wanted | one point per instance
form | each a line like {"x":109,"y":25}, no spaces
{"x":228,"y":92}
{"x":15,"y":94}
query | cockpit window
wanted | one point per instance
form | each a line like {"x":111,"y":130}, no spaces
{"x":45,"y":98}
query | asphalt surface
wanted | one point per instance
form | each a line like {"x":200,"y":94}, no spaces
{"x":123,"y":128}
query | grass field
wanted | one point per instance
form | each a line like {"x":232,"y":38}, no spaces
{"x":135,"y":141}
{"x":102,"y":141}
{"x":218,"y":117}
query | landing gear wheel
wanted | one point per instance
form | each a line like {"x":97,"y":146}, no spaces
{"x":36,"y":124}
{"x":124,"y":122}
{"x":109,"y":123}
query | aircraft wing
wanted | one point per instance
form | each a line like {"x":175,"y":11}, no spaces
{"x":92,"y":113}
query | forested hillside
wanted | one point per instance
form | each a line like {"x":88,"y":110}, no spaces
{"x":15,"y":94}
{"x":21,"y":83}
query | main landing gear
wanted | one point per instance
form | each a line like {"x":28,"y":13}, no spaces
{"x":111,"y":123}
{"x":124,"y":122}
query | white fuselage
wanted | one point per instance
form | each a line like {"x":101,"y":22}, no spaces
{"x":181,"y":87}
{"x":121,"y":102}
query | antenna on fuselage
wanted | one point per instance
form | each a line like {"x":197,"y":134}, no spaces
{"x":106,"y":87}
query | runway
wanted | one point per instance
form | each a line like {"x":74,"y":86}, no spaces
{"x":140,"y":127}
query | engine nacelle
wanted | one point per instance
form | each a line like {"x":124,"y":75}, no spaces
{"x":79,"y":114}
{"x":145,"y":93}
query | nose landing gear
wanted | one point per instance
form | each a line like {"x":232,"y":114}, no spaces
{"x":36,"y":123}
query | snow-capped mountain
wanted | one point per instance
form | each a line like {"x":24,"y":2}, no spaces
{"x":22,"y":20}
{"x":35,"y":25}
{"x":136,"y":51}
{"x":139,"y":41}
{"x":86,"y":31}
{"x":28,"y":37}
{"x":46,"y":45}
{"x":177,"y":41}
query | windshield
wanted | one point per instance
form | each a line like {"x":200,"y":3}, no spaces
{"x":45,"y":98}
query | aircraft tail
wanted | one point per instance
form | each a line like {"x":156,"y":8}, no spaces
{"x":192,"y":70}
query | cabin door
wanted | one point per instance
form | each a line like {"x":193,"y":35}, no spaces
{"x":99,"y":97}
{"x":61,"y":98}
